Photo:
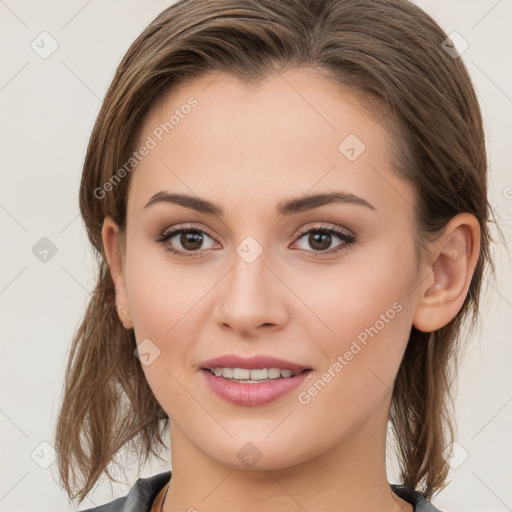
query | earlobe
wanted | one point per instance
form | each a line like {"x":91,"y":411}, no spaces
{"x":112,"y":245}
{"x":442,"y":293}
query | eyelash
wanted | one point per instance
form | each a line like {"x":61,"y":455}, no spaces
{"x":349,"y":240}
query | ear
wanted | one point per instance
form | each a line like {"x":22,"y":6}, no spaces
{"x":454,"y":257}
{"x":114,"y":246}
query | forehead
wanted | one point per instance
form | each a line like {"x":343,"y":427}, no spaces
{"x":289,"y":134}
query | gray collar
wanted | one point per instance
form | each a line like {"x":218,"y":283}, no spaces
{"x":144,"y":491}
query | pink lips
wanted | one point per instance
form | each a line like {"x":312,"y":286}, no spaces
{"x":252,"y":394}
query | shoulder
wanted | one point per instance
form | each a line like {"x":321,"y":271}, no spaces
{"x":139,"y":498}
{"x":415,"y":498}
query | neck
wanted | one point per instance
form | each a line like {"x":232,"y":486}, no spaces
{"x":350,"y":476}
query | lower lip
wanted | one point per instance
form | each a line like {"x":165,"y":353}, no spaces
{"x":253,"y":394}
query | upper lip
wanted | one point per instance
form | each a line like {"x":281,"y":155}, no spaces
{"x":251,"y":363}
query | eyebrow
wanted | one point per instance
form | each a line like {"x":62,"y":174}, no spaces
{"x":285,"y":207}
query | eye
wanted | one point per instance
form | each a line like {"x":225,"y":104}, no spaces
{"x":320,"y":239}
{"x":190,"y":239}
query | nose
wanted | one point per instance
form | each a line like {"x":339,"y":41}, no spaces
{"x":251,"y":298}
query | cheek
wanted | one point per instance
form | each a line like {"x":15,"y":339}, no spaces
{"x":357,"y":380}
{"x":366,"y":321}
{"x":361,"y":298}
{"x":160,"y":294}
{"x":165,"y":304}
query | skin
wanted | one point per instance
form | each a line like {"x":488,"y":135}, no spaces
{"x":246,"y":148}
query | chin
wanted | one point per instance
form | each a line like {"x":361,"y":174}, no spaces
{"x":255,"y":453}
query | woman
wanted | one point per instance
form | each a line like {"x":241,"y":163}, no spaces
{"x":289,"y":204}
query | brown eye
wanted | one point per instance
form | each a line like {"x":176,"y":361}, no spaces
{"x":189,"y":241}
{"x":320,"y":240}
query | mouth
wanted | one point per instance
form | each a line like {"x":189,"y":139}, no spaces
{"x":253,"y":381}
{"x":255,"y":386}
{"x":254,"y":375}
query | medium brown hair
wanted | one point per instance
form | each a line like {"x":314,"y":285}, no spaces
{"x":385,"y":49}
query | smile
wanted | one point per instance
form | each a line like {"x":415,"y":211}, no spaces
{"x":250,"y":391}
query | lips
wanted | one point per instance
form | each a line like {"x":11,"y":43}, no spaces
{"x":258,"y":394}
{"x":253,"y":393}
{"x":251,"y":363}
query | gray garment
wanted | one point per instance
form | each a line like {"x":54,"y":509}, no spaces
{"x":141,"y":496}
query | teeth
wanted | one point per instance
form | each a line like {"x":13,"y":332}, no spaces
{"x":240,"y":373}
{"x":274,"y":373}
{"x":253,"y":375}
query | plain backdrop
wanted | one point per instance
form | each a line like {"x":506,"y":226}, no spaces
{"x":48,"y":107}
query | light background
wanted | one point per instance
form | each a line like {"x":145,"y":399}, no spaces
{"x":48,"y":107}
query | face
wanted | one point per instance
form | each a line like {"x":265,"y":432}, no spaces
{"x":328,"y":285}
